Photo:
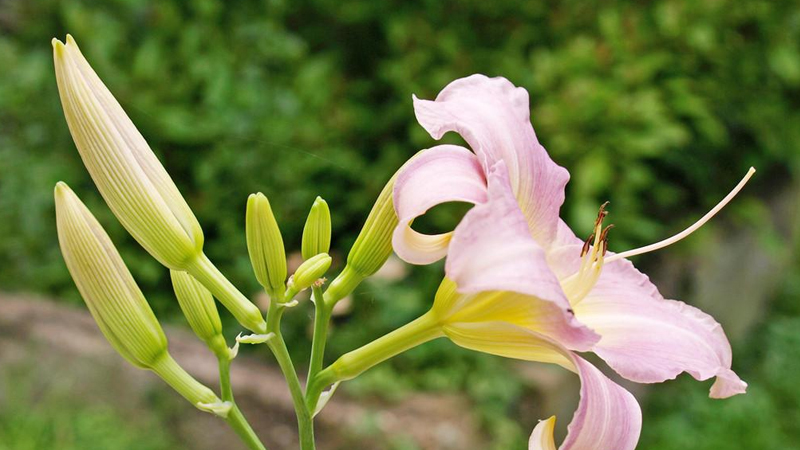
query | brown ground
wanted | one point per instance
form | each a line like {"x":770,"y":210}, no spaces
{"x":62,"y":345}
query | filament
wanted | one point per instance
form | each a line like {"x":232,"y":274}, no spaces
{"x":691,"y":229}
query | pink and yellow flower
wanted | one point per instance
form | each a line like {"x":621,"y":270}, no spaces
{"x":519,"y":283}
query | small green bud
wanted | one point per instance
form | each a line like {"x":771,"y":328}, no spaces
{"x":106,"y":285}
{"x":265,"y":245}
{"x":317,"y":231}
{"x":198,"y":306}
{"x":309,"y":272}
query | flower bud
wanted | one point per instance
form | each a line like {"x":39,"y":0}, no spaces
{"x":372,"y":248}
{"x":374,"y":243}
{"x":198,"y":306}
{"x":317,"y":232}
{"x":310,"y":271}
{"x":265,"y":245}
{"x":107,"y":287}
{"x":127,"y":173}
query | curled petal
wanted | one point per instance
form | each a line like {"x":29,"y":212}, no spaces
{"x":648,"y":339}
{"x":542,"y":435}
{"x":441,"y":174}
{"x":493,"y":116}
{"x":608,"y":417}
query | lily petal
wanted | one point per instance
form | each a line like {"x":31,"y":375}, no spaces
{"x":542,"y":435}
{"x":493,"y":116}
{"x":507,"y":340}
{"x":492,"y":250}
{"x":493,"y":253}
{"x":608,"y":416}
{"x":646,"y":338}
{"x":444,"y":173}
{"x":490,"y":313}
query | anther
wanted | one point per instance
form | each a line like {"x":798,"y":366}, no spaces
{"x":586,"y":244}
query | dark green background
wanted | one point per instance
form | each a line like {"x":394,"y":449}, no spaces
{"x":657,"y":106}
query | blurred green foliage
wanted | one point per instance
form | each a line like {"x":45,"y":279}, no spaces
{"x":657,"y":106}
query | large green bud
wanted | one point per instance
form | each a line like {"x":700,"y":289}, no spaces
{"x":115,"y":300}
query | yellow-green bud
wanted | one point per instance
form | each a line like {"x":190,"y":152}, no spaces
{"x":374,"y":243}
{"x":317,"y":231}
{"x":265,"y":245}
{"x":115,"y":300}
{"x":127,"y":173}
{"x":107,"y":287}
{"x":372,"y":248}
{"x":198,"y":306}
{"x":310,"y":271}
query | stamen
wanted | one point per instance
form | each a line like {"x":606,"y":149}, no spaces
{"x":691,"y":229}
{"x":578,"y":285}
{"x":604,"y":238}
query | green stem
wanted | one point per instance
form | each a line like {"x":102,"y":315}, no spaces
{"x":204,"y":271}
{"x":304,"y":423}
{"x":239,"y":424}
{"x":350,"y":365}
{"x":235,"y":417}
{"x":225,"y":378}
{"x":322,"y":316}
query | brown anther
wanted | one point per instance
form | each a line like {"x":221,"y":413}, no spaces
{"x":587,"y":245}
{"x":601,"y":214}
{"x":604,"y":238}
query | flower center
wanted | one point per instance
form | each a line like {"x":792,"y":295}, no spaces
{"x":593,"y":253}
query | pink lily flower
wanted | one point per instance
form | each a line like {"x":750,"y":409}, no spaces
{"x":522,"y":285}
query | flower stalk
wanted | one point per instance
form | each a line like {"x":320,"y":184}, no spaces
{"x":350,"y":365}
{"x":277,"y":345}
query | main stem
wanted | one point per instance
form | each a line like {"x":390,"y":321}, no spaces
{"x":278,"y":347}
{"x":235,"y":417}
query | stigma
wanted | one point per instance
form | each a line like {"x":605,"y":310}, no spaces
{"x":593,"y":253}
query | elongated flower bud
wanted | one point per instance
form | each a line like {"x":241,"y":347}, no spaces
{"x":115,"y":301}
{"x":317,"y":231}
{"x":107,"y":287}
{"x":372,"y":248}
{"x":198,"y":306}
{"x":373,"y":245}
{"x":265,"y":245}
{"x":129,"y":176}
{"x":310,"y":271}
